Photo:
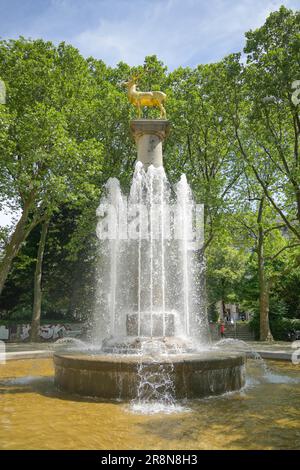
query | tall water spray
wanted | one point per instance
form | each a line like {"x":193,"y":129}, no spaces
{"x":150,"y":284}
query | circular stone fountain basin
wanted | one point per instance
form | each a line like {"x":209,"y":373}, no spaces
{"x":116,"y":376}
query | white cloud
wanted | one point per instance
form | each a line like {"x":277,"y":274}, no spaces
{"x":5,"y":219}
{"x":178,"y":32}
{"x":8,"y":217}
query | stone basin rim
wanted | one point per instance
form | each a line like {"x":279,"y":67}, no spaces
{"x":116,"y":375}
{"x":211,"y":359}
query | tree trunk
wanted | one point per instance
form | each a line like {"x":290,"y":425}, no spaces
{"x":264,"y":285}
{"x":224,"y":312}
{"x":298,"y":202}
{"x":37,"y":301}
{"x":14,"y":245}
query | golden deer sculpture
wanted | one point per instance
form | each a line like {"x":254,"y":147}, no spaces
{"x":145,"y":98}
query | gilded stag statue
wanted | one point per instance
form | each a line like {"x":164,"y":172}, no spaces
{"x":145,"y":98}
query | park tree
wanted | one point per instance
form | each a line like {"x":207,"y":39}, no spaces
{"x":266,"y":128}
{"x":266,"y":119}
{"x":226,"y":267}
{"x":202,"y":140}
{"x":256,"y":222}
{"x":46,"y":163}
{"x":5,"y":145}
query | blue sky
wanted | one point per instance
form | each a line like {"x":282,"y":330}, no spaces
{"x":180,"y":32}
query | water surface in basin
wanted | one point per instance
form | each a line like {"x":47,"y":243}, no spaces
{"x":35,"y":415}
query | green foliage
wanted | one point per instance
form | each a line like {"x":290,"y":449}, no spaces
{"x":47,"y":162}
{"x":280,"y":325}
{"x":226,"y":268}
{"x":20,"y":314}
{"x":269,"y":125}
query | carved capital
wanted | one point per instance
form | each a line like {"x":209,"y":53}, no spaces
{"x":158,"y":127}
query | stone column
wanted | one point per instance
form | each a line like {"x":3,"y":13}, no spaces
{"x":149,"y":135}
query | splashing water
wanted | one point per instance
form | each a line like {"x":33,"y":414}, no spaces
{"x":268,"y":375}
{"x":71,"y":342}
{"x":156,"y":391}
{"x":155,"y":378}
{"x":240,"y":345}
{"x":150,"y":274}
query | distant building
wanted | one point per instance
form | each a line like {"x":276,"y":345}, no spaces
{"x":231,"y":312}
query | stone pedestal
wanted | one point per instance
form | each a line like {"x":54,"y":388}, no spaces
{"x":158,"y":319}
{"x":149,"y":135}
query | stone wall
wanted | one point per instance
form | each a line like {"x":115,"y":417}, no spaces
{"x":48,"y":332}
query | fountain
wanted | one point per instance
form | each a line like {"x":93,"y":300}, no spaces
{"x":150,"y":332}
